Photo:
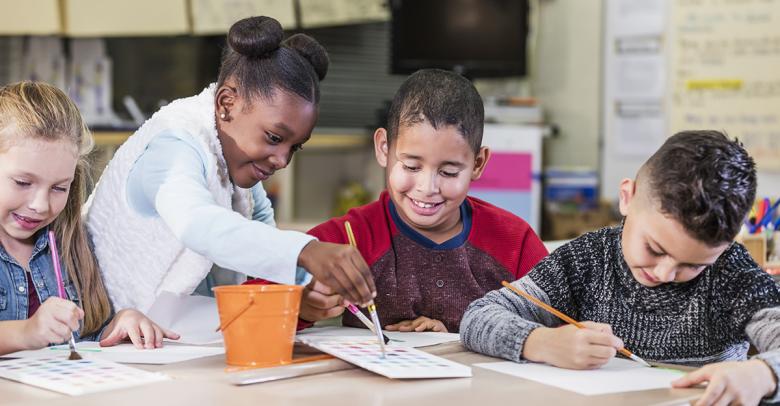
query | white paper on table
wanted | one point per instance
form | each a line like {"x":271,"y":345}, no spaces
{"x":398,"y":338}
{"x":124,"y":353}
{"x":193,"y":317}
{"x":618,"y":375}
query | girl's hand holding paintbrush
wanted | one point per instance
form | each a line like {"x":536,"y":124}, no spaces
{"x":340,"y":267}
{"x":52,"y":323}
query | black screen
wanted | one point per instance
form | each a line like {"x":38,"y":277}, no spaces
{"x":477,"y":38}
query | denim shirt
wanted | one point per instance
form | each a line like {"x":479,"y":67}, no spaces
{"x":14,"y":299}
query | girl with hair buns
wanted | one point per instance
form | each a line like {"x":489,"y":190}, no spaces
{"x":43,"y":176}
{"x":181,"y":206}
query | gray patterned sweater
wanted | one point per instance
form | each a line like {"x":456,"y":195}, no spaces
{"x":712,"y":318}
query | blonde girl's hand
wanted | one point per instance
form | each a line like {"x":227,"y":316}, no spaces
{"x":731,"y":383}
{"x":53,"y":323}
{"x":421,"y":323}
{"x":132,"y":324}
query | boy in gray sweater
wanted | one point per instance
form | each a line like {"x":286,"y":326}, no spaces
{"x":668,"y":284}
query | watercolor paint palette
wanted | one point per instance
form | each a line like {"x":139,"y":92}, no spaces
{"x":399,"y":363}
{"x":75,"y":377}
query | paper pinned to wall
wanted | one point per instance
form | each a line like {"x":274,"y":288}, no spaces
{"x":723,"y":72}
{"x":401,"y":339}
{"x":124,"y":353}
{"x":618,"y":375}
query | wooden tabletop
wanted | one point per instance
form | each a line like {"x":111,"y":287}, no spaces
{"x":205,"y":382}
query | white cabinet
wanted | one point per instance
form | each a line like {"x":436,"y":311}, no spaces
{"x":512,"y":178}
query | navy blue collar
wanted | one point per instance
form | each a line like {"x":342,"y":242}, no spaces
{"x":454,"y":242}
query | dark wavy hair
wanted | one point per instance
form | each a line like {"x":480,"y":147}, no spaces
{"x":442,"y":98}
{"x":705,"y":181}
{"x":260,"y":62}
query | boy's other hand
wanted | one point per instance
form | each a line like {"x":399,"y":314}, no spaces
{"x":421,"y":323}
{"x":53,"y":323}
{"x":320,"y":302}
{"x":341,"y":268}
{"x":571,"y":347}
{"x":143,"y":332}
{"x":730,"y":383}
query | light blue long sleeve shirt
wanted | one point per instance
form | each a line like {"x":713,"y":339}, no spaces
{"x":169,"y":180}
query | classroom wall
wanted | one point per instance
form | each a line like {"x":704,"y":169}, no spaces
{"x":565,"y":75}
{"x":568,"y":79}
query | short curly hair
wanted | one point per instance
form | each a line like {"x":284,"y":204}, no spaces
{"x":442,"y":98}
{"x":704,"y":180}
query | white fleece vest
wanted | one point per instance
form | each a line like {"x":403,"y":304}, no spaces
{"x":139,"y":256}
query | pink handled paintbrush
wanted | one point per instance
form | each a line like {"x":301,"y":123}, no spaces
{"x":55,"y":259}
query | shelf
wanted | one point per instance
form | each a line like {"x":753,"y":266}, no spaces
{"x":111,"y":138}
{"x":317,"y":141}
{"x":30,"y":17}
{"x":112,"y":18}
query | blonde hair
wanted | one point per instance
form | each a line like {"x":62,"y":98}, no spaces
{"x":40,"y":111}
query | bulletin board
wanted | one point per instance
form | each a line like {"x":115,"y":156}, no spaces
{"x":671,"y":65}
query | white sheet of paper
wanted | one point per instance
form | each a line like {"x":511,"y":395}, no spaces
{"x":194,"y":317}
{"x":401,"y":339}
{"x":619,"y":375}
{"x":124,"y":353}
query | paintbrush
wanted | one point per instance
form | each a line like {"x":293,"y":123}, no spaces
{"x":567,"y":319}
{"x":371,"y":305}
{"x":55,"y":259}
{"x":366,"y":322}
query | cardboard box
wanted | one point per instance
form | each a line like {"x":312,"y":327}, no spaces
{"x":568,"y":225}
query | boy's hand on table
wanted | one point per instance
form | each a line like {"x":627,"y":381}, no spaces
{"x":142,"y":331}
{"x":320,"y":302}
{"x":421,"y":323}
{"x":571,"y":347}
{"x":735,"y":382}
{"x":341,"y":268}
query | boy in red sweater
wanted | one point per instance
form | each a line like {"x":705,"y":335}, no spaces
{"x":431,"y":248}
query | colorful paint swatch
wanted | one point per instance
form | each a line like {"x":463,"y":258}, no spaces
{"x":75,"y":377}
{"x":399,"y":363}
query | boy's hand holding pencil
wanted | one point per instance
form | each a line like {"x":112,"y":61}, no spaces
{"x":571,"y":347}
{"x":579,"y":345}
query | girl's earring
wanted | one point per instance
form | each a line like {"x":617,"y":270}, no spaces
{"x":222,"y":116}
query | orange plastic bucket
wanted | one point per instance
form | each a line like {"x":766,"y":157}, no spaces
{"x":258,"y":323}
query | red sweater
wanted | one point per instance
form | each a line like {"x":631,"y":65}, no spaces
{"x":416,"y":277}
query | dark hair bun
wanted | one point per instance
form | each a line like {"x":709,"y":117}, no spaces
{"x":255,"y":36}
{"x":310,"y":49}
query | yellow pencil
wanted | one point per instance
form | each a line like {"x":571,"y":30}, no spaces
{"x":566,"y":318}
